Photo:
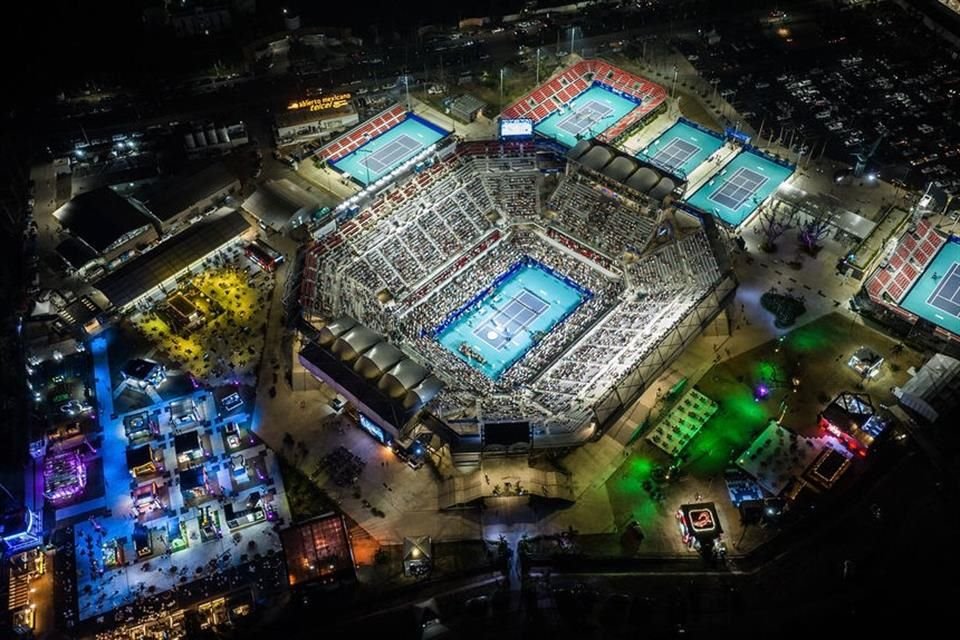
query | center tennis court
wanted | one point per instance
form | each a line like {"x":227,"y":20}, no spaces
{"x":946,"y":296}
{"x":514,"y":317}
{"x":505,"y":320}
{"x":682,"y":148}
{"x":935,"y":296}
{"x":676,"y":153}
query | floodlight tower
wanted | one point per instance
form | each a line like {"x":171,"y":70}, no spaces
{"x":863,"y":157}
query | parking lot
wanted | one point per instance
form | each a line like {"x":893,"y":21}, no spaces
{"x":839,"y":86}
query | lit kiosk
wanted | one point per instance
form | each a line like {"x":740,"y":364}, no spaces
{"x":189,"y":449}
{"x":144,"y":461}
{"x":141,"y":373}
{"x":417,"y":556}
{"x":140,"y":427}
{"x":193,"y":485}
{"x":700,"y":529}
{"x":866,"y":362}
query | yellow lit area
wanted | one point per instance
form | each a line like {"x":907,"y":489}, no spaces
{"x":225,"y":337}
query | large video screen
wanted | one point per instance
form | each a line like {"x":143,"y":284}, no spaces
{"x":516,"y":128}
{"x":372,"y":428}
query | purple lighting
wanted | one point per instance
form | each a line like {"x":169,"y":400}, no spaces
{"x":761,"y":392}
{"x":64,"y":476}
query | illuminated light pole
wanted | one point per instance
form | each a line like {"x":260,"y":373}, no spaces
{"x":538,"y":66}
{"x":501,"y":89}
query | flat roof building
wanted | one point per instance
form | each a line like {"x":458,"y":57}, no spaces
{"x":160,"y":267}
{"x":281,"y":204}
{"x":467,"y":107}
{"x":107,"y":223}
{"x":179,"y":197}
{"x":309,"y":119}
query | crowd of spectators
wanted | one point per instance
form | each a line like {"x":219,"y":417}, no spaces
{"x":410,"y":260}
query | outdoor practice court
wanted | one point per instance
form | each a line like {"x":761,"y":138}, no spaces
{"x":682,"y":148}
{"x":936,"y":295}
{"x":500,"y":324}
{"x":587,"y":115}
{"x":384,"y":153}
{"x":739,"y":188}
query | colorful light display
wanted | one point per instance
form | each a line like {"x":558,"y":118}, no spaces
{"x":64,"y":476}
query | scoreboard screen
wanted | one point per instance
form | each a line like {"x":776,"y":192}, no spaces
{"x":516,"y":128}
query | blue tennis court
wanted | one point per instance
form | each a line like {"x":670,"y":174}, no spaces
{"x":390,"y":149}
{"x":936,"y":295}
{"x":682,"y":148}
{"x":738,"y":189}
{"x":586,"y":116}
{"x":502,"y":322}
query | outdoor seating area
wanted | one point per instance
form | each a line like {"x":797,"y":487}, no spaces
{"x":684,"y":421}
{"x":342,"y":466}
{"x":214,"y":331}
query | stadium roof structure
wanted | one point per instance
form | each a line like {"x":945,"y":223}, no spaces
{"x":620,"y":168}
{"x":623,"y":168}
{"x":596,"y":158}
{"x":663,"y":188}
{"x":334,"y":329}
{"x":167,"y":198}
{"x":403,"y":376}
{"x":350,"y":345}
{"x":643,"y":180}
{"x":378,"y":360}
{"x":277,"y":202}
{"x":169,"y":258}
{"x":101,"y":217}
{"x":369,"y":369}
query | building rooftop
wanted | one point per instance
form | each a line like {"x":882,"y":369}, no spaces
{"x":143,"y":273}
{"x":76,"y":252}
{"x":168,"y":197}
{"x":276,"y":202}
{"x":138,"y":368}
{"x":100,"y":217}
{"x":318,"y":550}
{"x":186,"y":442}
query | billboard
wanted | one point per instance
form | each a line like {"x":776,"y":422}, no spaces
{"x":516,"y":128}
{"x":372,"y":428}
{"x":323,"y":103}
{"x":737,"y":135}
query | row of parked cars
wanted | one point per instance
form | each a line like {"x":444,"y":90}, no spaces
{"x":873,"y":76}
